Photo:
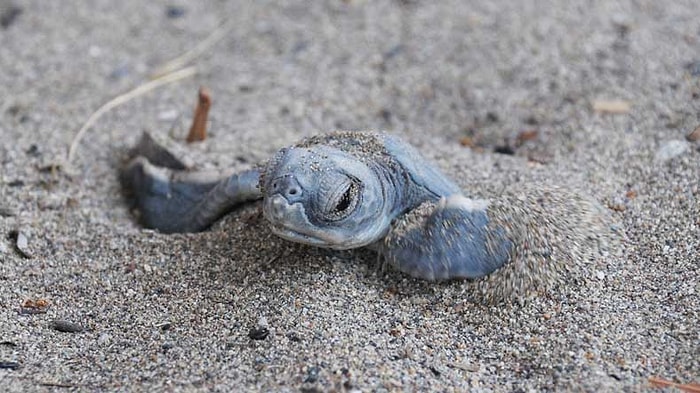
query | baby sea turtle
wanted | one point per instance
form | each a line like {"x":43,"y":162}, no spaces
{"x":345,"y":190}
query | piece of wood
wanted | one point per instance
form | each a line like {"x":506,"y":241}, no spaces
{"x":198,"y":130}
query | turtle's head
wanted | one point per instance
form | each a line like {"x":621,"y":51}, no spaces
{"x":324,"y":197}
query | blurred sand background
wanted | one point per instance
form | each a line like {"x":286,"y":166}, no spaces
{"x":497,"y":92}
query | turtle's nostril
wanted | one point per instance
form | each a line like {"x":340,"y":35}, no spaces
{"x":288,"y":187}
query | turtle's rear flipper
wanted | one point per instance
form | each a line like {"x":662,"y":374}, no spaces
{"x":451,"y":239}
{"x":162,"y":151}
{"x":172,"y":199}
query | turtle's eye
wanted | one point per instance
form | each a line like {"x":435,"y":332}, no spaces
{"x":342,"y":201}
{"x":346,"y":200}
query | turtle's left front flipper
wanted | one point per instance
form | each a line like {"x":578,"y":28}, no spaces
{"x":171,"y":199}
{"x":453,"y":238}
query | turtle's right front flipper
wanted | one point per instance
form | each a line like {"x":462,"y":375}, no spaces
{"x":173,"y":200}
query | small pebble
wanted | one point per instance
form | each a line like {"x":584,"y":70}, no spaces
{"x":7,"y":211}
{"x":614,"y":107}
{"x":258,"y":333}
{"x":168,"y":115}
{"x":694,"y":136}
{"x":672,"y":149}
{"x":9,"y":365}
{"x":312,"y":374}
{"x":8,"y":15}
{"x":21,"y":243}
{"x":693,"y":68}
{"x":600,"y":275}
{"x":33,"y":151}
{"x":174,"y":12}
{"x":66,"y":327}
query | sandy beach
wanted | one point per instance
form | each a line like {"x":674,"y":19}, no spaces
{"x":599,"y":97}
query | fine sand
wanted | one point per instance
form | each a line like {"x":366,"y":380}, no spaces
{"x":588,"y":96}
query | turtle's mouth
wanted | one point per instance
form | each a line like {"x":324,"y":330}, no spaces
{"x":289,"y":222}
{"x":295,"y":236}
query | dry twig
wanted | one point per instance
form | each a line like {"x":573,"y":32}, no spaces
{"x":663,"y":383}
{"x":198,"y":130}
{"x":115,"y":102}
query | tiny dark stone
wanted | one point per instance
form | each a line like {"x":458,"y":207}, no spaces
{"x":693,"y":68}
{"x":299,"y":47}
{"x":505,"y":149}
{"x":395,"y":50}
{"x":120,"y":72}
{"x":14,"y":110}
{"x":7,"y":212}
{"x":386,"y":115}
{"x":615,"y":376}
{"x":174,"y":12}
{"x":12,"y":235}
{"x":258,"y":333}
{"x":312,"y":374}
{"x":33,"y":151}
{"x":8,"y":344}
{"x":245,"y":88}
{"x":16,"y":183}
{"x":492,"y":117}
{"x":165,"y":326}
{"x":66,"y":327}
{"x":293,"y":336}
{"x":9,"y":15}
{"x":9,"y":365}
{"x":435,"y":371}
{"x":166,"y":346}
{"x":531,"y":121}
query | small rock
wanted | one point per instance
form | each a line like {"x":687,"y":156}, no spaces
{"x":9,"y":365}
{"x":261,"y":331}
{"x":467,"y":141}
{"x":600,"y":275}
{"x":294,"y":337}
{"x":165,"y":326}
{"x":168,"y":115}
{"x":66,"y":327}
{"x":8,"y":14}
{"x":693,"y":68}
{"x":312,"y":374}
{"x":615,"y":107}
{"x":3,"y":248}
{"x":174,"y":12}
{"x":504,"y":149}
{"x":526,"y":135}
{"x":104,"y":339}
{"x":167,"y":345}
{"x":436,"y":372}
{"x":672,"y":149}
{"x":21,"y":243}
{"x":694,"y":136}
{"x":120,"y":72}
{"x":258,"y":333}
{"x":33,"y":150}
{"x":6,"y":211}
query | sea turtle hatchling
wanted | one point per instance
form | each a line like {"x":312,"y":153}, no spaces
{"x":344,"y":190}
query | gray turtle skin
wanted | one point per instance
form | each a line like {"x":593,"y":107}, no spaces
{"x":340,"y":190}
